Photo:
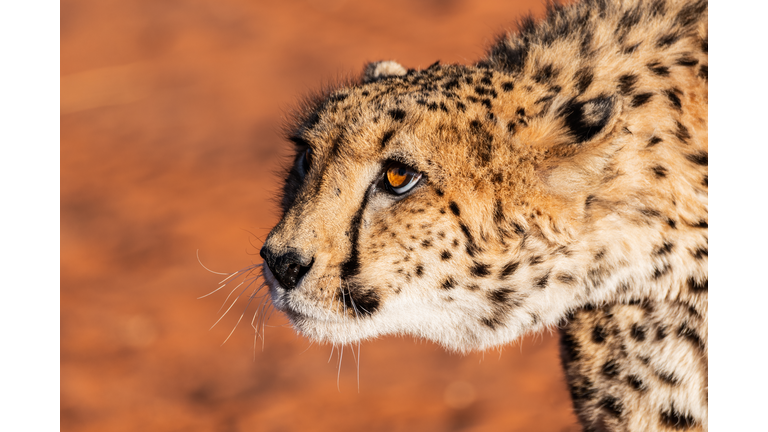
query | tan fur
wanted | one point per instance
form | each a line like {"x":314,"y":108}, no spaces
{"x":564,"y":184}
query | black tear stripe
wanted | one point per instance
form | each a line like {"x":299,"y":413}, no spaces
{"x":586,"y":119}
{"x":351,"y":267}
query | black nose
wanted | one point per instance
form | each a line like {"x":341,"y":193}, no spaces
{"x":287,"y":268}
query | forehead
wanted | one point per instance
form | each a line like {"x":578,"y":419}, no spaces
{"x":377,"y":113}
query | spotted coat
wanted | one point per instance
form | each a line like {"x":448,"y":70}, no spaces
{"x":563,"y":184}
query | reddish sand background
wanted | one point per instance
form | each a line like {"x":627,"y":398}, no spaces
{"x":170,"y":117}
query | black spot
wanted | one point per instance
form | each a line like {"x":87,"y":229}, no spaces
{"x":480,"y":269}
{"x":545,"y":74}
{"x":485,"y":91}
{"x":661,"y":332}
{"x":664,"y":249}
{"x":700,"y":253}
{"x":447,"y":284}
{"x":566,"y":278}
{"x":612,"y":405}
{"x":432,"y":106}
{"x":630,"y":18}
{"x":636,"y":383}
{"x":450,"y":85}
{"x":419,"y":270}
{"x":691,"y":13}
{"x":541,"y":282}
{"x":658,"y":69}
{"x":599,"y":334}
{"x":630,"y":49}
{"x":687,"y":61}
{"x":627,"y":83}
{"x":518,"y":228}
{"x":569,"y":348}
{"x":674,"y":98}
{"x":461,"y":106}
{"x":611,"y":369}
{"x":359,"y":300}
{"x":681,"y":132}
{"x":397,"y":114}
{"x":659,"y":171}
{"x":584,"y":78}
{"x":672,"y":224}
{"x":445,"y":255}
{"x":454,"y":208}
{"x":508,"y":269}
{"x":667,"y":377}
{"x":427,"y":243}
{"x":508,"y":86}
{"x":587,"y":119}
{"x":688,"y":333}
{"x":661,"y":271}
{"x":597,"y":275}
{"x":511,"y":126}
{"x":500,"y":295}
{"x":590,"y":199}
{"x":705,"y":181}
{"x":701,"y":224}
{"x":676,"y":420}
{"x":536,"y":259}
{"x":653,"y":141}
{"x":700,"y":158}
{"x":704,"y":72}
{"x":387,"y":136}
{"x":486,"y":80}
{"x":471,"y":246}
{"x":640,"y":99}
{"x":668,"y":39}
{"x":638,"y":332}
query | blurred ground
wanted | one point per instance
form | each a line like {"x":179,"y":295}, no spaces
{"x":170,"y":118}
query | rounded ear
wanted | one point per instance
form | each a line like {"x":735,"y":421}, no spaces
{"x":375,"y":71}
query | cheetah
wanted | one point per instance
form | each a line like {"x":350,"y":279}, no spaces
{"x":560,"y":182}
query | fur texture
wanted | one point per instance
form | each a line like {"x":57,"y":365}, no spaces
{"x":563,"y":183}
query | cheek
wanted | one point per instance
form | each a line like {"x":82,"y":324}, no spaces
{"x":411,"y":247}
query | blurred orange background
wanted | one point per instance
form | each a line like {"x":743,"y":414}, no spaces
{"x":170,"y":139}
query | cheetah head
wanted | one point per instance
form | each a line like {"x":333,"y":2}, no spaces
{"x":437,"y":203}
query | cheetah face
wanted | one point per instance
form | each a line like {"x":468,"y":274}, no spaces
{"x":412,"y":208}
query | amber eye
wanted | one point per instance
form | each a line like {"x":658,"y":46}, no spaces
{"x":399,"y":179}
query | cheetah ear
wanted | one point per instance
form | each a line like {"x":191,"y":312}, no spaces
{"x":375,"y":71}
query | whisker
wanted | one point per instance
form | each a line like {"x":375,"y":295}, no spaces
{"x":247,"y":271}
{"x":233,"y":303}
{"x":201,"y":263}
{"x":338,"y":374}
{"x":244,"y":310}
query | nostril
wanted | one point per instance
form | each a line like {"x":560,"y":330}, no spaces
{"x":287,"y":268}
